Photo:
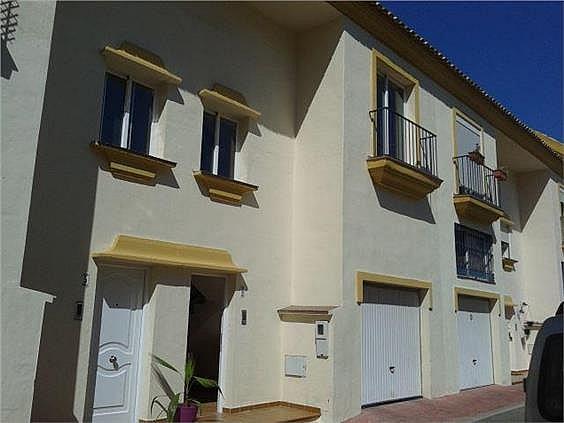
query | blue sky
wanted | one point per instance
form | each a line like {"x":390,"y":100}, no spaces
{"x":513,"y":50}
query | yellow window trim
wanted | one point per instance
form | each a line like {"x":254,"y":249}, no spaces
{"x":375,"y":278}
{"x":379,"y":61}
{"x":127,"y":164}
{"x":457,"y":112}
{"x":134,"y":61}
{"x":223,"y":190}
{"x":492,"y":296}
{"x":133,"y":250}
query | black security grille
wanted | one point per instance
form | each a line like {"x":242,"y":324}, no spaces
{"x":474,"y":258}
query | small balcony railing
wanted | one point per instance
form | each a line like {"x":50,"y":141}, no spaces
{"x":476,"y":179}
{"x":398,"y":137}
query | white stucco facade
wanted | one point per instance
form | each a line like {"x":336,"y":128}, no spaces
{"x":315,"y":221}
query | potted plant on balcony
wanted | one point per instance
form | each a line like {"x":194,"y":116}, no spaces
{"x":181,"y":408}
{"x":500,"y":174}
{"x":476,"y":156}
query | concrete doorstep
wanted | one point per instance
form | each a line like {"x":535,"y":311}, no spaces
{"x":465,"y":406}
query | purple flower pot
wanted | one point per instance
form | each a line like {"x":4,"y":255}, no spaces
{"x":186,"y":413}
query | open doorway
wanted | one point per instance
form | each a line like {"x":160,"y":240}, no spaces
{"x":207,"y":302}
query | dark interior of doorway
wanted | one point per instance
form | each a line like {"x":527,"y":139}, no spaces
{"x":207,"y":301}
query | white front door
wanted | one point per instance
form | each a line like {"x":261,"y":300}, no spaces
{"x":391,"y":356}
{"x":120,"y":328}
{"x":474,"y":342}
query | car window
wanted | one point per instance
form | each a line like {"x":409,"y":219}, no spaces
{"x":550,"y":392}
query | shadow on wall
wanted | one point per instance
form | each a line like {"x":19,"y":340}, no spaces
{"x":531,"y":186}
{"x":420,"y":209}
{"x":59,"y":229}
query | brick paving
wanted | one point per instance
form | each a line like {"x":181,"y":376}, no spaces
{"x":464,"y":406}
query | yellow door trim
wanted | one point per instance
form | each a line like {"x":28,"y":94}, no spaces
{"x":379,"y":279}
{"x":492,"y":296}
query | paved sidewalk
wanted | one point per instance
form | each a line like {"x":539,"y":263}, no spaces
{"x":463,"y":407}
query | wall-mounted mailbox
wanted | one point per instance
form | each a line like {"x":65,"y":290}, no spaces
{"x":295,"y":365}
{"x":322,"y":339}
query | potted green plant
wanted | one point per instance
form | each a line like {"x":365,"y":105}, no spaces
{"x":181,"y":407}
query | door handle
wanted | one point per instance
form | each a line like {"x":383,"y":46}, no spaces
{"x":113,"y":361}
{"x":392,"y":369}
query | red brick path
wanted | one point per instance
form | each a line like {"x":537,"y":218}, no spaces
{"x":462,"y":406}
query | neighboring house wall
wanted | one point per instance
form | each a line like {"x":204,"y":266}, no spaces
{"x":316,"y":206}
{"x":540,"y":214}
{"x":25,"y":57}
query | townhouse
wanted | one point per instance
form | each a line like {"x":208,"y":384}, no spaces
{"x":308,"y":198}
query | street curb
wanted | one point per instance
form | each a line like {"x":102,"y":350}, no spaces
{"x":482,"y":416}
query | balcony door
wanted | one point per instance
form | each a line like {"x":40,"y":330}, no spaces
{"x":390,"y":103}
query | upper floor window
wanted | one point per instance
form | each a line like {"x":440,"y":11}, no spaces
{"x":219,"y":135}
{"x":468,"y":136}
{"x":474,"y":258}
{"x":127,"y":114}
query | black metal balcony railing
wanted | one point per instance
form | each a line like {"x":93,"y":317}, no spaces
{"x":474,"y":257}
{"x":403,"y":139}
{"x":476,"y":179}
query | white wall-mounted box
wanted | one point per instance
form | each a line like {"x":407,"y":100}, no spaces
{"x":295,"y":365}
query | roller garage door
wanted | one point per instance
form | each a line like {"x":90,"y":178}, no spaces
{"x":391,"y":342}
{"x":474,"y":342}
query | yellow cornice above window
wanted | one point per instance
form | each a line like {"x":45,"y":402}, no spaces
{"x":138,"y":63}
{"x":149,"y":252}
{"x":228,"y":102}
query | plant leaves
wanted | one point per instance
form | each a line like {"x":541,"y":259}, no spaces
{"x":206,"y":383}
{"x":163,"y":408}
{"x":172,"y":406}
{"x":164,"y":363}
{"x":189,"y":370}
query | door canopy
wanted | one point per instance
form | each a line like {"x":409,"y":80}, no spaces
{"x":132,"y":250}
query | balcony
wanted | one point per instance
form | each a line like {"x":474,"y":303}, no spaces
{"x":406,"y":155}
{"x":476,"y":198}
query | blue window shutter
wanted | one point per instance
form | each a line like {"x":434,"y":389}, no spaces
{"x":140,"y":118}
{"x":208,"y":142}
{"x":112,"y":114}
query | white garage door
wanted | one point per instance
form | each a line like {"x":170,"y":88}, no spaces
{"x":391,"y":356}
{"x":474,"y":342}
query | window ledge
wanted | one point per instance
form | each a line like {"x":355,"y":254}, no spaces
{"x":305,"y":314}
{"x":224,"y":190}
{"x":124,"y":163}
{"x":402,"y":178}
{"x":134,"y":61}
{"x":219,"y":102}
{"x":508,"y":264}
{"x":476,"y":210}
